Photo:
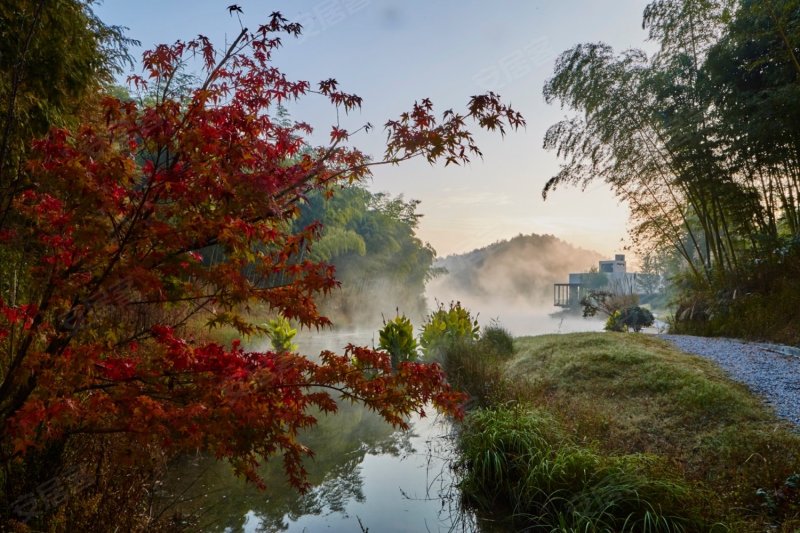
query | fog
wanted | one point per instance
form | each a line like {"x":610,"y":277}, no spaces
{"x":362,"y":305}
{"x":512,"y":282}
{"x":521,"y":319}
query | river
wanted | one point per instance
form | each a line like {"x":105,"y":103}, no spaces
{"x":366,"y":476}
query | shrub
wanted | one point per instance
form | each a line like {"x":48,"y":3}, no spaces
{"x":473,"y":369}
{"x":623,"y":310}
{"x":397,"y":338}
{"x":607,"y":302}
{"x":447,"y":327}
{"x":281,"y":333}
{"x":472,"y":360}
{"x":634,"y":318}
{"x":497,"y":340}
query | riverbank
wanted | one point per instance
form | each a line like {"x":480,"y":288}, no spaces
{"x":637,"y":432}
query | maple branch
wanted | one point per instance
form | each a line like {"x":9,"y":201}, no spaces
{"x":228,"y":55}
{"x":10,"y":375}
{"x":59,"y":342}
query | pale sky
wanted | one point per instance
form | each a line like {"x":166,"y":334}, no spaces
{"x":392,"y":53}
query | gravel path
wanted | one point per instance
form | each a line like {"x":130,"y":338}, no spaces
{"x":772,"y":371}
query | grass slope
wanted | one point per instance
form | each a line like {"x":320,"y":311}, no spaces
{"x":628,"y":412}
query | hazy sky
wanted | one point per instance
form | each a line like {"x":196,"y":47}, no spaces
{"x":392,"y":53}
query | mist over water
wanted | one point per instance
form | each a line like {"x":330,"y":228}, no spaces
{"x":366,"y":474}
{"x":518,"y":318}
{"x":512,"y":282}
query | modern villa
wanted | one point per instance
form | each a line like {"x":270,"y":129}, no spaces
{"x":611,"y":275}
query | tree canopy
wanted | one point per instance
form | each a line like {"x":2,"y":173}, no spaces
{"x":109,"y":236}
{"x":370,"y":238}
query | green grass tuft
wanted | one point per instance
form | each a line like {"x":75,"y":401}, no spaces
{"x":520,"y":460}
{"x":624,"y":433}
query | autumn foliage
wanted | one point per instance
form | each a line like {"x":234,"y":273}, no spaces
{"x":109,"y":231}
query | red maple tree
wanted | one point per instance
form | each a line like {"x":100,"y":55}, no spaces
{"x":115,"y":224}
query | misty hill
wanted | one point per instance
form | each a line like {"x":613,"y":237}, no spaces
{"x":517,"y":271}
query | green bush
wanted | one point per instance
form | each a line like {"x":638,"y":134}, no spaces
{"x":497,"y":340}
{"x":447,"y":327}
{"x":281,"y":333}
{"x":473,"y":360}
{"x":473,"y":369}
{"x":397,"y":338}
{"x":628,"y":318}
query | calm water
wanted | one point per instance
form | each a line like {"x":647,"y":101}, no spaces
{"x":365,"y":476}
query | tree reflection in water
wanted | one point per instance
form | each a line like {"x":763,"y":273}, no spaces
{"x":364,"y":474}
{"x":205,"y":488}
{"x":412,"y":471}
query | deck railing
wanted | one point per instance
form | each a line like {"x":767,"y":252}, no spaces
{"x":567,"y":294}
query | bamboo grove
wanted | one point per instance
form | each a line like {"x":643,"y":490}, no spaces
{"x":701,"y":138}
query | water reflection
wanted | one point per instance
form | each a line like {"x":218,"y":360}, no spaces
{"x":365,"y":475}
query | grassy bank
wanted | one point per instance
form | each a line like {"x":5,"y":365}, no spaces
{"x":612,"y":432}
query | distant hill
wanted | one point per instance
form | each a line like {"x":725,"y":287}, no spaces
{"x":517,"y":271}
